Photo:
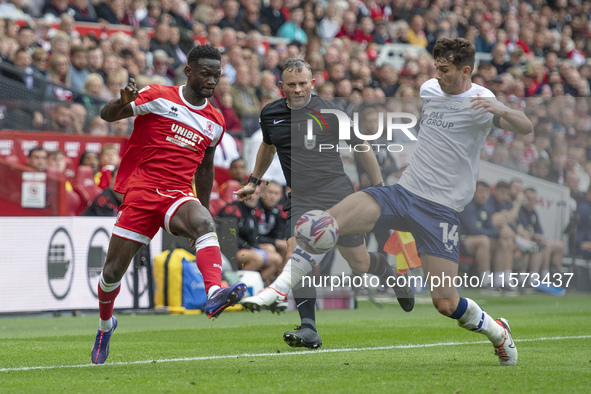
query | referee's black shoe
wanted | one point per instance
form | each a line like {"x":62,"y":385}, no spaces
{"x":303,"y":337}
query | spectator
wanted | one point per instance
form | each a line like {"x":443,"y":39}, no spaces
{"x":500,"y":155}
{"x":39,"y":59}
{"x":24,"y":73}
{"x":251,"y":255}
{"x":63,"y":120}
{"x":583,"y":213}
{"x":557,"y":172}
{"x":251,"y":20}
{"x":56,"y":7}
{"x":552,"y":251}
{"x":238,"y":170}
{"x":486,"y":38}
{"x":153,"y":16}
{"x":292,"y":30}
{"x":272,"y":218}
{"x":97,"y":126}
{"x":89,"y":158}
{"x":222,"y":100}
{"x":93,"y":89}
{"x":161,"y":67}
{"x":37,"y":159}
{"x":26,"y":39}
{"x":416,"y":34}
{"x":273,"y":17}
{"x":230,"y":19}
{"x":246,"y":103}
{"x":540,"y":168}
{"x":107,"y":203}
{"x":95,"y":60}
{"x":499,"y":54}
{"x":78,"y":70}
{"x":120,"y":128}
{"x":57,"y":163}
{"x":515,"y":159}
{"x":83,"y":11}
{"x":109,"y":160}
{"x":479,"y":237}
{"x":111,"y":11}
{"x":178,"y":54}
{"x":235,"y":59}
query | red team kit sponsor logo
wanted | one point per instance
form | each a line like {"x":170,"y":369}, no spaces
{"x":185,"y":137}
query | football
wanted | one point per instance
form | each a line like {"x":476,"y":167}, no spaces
{"x":316,"y":232}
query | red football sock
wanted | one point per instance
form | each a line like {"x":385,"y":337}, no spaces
{"x":209,"y":260}
{"x":107,"y":297}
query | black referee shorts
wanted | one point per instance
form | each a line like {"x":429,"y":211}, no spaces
{"x":333,"y":192}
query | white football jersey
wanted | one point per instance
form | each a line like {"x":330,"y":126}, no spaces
{"x":444,"y":166}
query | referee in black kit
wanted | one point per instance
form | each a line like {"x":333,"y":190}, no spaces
{"x":318,"y":181}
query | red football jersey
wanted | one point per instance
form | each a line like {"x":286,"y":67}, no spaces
{"x":168,"y":141}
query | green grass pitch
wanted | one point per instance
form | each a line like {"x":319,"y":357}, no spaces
{"x":365,"y":350}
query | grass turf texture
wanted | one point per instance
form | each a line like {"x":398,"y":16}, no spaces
{"x":544,"y":366}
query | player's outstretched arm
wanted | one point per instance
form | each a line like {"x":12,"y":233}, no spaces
{"x":120,"y":108}
{"x":371,"y":165}
{"x":204,"y":177}
{"x":510,"y":119}
{"x":264,"y":159}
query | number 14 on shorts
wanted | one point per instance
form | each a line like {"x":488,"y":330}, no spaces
{"x":451,"y":235}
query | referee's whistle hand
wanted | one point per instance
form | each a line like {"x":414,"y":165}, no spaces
{"x":245,"y":192}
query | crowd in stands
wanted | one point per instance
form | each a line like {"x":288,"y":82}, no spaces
{"x":533,"y":55}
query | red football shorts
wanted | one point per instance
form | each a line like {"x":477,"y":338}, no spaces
{"x":144,"y":211}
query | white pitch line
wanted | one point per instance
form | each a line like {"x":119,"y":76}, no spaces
{"x":342,"y":350}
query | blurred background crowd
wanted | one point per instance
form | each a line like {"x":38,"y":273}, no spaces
{"x":534,"y":55}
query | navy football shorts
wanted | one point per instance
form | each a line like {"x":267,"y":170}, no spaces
{"x":435,"y":227}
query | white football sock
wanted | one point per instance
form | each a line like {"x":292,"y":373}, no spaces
{"x":299,"y":264}
{"x":475,"y":319}
{"x":212,"y":290}
{"x":106,"y":325}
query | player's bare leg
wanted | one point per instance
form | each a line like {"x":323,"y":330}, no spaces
{"x":192,"y":220}
{"x":468,"y":314}
{"x":357,"y":213}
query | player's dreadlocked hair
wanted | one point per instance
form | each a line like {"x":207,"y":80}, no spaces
{"x":203,"y":52}
{"x":458,"y":51}
{"x":295,"y":64}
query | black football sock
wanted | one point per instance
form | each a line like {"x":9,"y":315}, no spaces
{"x":378,"y":266}
{"x":305,"y":299}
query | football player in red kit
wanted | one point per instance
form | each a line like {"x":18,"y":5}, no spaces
{"x":175,"y":134}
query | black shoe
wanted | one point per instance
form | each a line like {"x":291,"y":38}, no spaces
{"x":405,"y":295}
{"x":303,"y":337}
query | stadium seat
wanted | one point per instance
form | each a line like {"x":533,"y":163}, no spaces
{"x":85,"y":187}
{"x":72,"y":203}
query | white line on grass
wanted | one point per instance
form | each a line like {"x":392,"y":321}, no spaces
{"x":342,"y":350}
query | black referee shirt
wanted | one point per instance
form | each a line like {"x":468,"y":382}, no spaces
{"x":306,"y":169}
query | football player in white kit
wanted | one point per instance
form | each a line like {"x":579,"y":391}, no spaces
{"x":439,"y":181}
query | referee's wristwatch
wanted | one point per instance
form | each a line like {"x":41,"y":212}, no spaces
{"x":380,"y":184}
{"x":256,"y":181}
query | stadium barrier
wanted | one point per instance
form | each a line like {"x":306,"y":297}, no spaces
{"x":54,"y":263}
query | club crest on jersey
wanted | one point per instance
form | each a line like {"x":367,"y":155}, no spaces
{"x":208,"y":130}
